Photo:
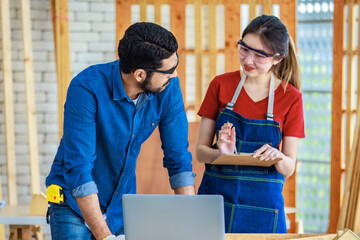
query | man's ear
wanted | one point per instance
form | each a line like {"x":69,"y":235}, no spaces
{"x":139,"y":75}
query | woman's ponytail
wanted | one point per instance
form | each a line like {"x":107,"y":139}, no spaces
{"x":288,"y":70}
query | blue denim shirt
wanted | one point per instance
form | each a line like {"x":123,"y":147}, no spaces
{"x":103,"y":133}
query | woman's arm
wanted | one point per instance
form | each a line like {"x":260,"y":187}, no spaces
{"x":289,"y":152}
{"x":289,"y":148}
{"x":203,"y":152}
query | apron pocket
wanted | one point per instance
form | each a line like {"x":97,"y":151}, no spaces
{"x":250,"y":219}
{"x":248,"y":147}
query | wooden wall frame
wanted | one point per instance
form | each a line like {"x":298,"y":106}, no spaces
{"x":343,"y":105}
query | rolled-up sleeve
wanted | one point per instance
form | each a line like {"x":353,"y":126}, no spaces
{"x":79,"y":138}
{"x":174,"y":138}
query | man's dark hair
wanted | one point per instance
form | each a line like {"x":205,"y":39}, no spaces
{"x":145,"y":45}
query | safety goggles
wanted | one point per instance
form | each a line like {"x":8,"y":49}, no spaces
{"x":258,"y":56}
{"x":170,"y":71}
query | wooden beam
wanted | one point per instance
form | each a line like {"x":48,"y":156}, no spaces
{"x":30,"y":97}
{"x":350,"y":80}
{"x":288,"y":17}
{"x":267,"y":7}
{"x":232,"y":34}
{"x":59,"y":10}
{"x":198,"y":12}
{"x":2,"y":227}
{"x":349,"y":106}
{"x":337,"y":125}
{"x":157,"y":10}
{"x":252,"y":9}
{"x":8,"y":102}
{"x":177,"y":27}
{"x":143,"y":11}
{"x":123,"y":17}
{"x":356,"y":211}
{"x":344,"y":210}
{"x":212,"y":41}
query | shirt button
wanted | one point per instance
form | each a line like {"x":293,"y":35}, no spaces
{"x":123,"y":175}
{"x":152,"y":124}
{"x":133,"y":136}
{"x":116,"y":193}
{"x":108,"y":208}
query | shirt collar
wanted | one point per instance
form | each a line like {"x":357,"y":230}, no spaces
{"x":118,"y":87}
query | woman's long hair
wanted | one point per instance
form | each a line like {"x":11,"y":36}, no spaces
{"x":275,"y":35}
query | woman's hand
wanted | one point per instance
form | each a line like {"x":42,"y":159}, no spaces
{"x":226,"y":139}
{"x":267,"y":152}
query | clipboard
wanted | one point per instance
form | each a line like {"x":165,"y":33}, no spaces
{"x":245,"y":159}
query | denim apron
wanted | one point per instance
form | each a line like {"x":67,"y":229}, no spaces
{"x":252,"y":195}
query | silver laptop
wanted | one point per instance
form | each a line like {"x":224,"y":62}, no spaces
{"x":173,"y":217}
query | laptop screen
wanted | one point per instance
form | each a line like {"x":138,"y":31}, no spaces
{"x":173,"y":217}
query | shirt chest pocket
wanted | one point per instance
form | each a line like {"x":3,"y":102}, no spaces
{"x":146,"y":128}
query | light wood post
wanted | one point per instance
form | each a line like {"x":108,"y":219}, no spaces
{"x":212,"y":41}
{"x":177,"y":27}
{"x":59,"y":11}
{"x":198,"y":53}
{"x":288,"y":17}
{"x":337,"y":125}
{"x":8,"y":102}
{"x":30,"y":97}
{"x":123,"y":17}
{"x":232,"y":34}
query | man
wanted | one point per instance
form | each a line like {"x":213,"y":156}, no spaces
{"x":110,"y":110}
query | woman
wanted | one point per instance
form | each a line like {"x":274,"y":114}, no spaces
{"x":253,"y":111}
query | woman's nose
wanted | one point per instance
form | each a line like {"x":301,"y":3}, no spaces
{"x":249,"y":58}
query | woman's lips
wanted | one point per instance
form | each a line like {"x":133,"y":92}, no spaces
{"x":248,"y":68}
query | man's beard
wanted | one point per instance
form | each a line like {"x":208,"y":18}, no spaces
{"x":146,"y":86}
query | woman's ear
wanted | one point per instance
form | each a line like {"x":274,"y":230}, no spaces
{"x":139,"y":75}
{"x":278,"y":59}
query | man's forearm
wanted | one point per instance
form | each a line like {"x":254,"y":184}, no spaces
{"x":186,"y":190}
{"x":90,"y":209}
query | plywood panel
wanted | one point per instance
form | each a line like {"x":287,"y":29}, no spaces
{"x":152,"y":177}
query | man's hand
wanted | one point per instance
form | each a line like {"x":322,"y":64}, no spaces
{"x":113,"y":237}
{"x":186,"y":190}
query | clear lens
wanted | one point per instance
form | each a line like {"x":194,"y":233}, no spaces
{"x":256,"y":57}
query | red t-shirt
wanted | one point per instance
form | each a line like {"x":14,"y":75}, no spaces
{"x":288,"y":106}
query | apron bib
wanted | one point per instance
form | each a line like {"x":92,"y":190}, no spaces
{"x":252,"y":195}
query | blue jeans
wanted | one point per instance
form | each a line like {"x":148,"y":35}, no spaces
{"x":65,"y":223}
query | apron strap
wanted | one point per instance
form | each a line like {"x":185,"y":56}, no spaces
{"x":231,"y":104}
{"x":269,"y":115}
{"x":270,"y":110}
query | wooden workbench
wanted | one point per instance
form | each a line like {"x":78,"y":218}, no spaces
{"x":22,"y":224}
{"x":279,"y":236}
